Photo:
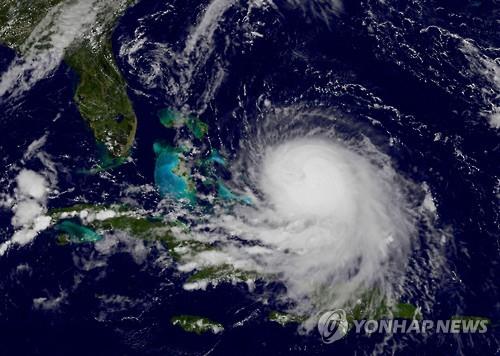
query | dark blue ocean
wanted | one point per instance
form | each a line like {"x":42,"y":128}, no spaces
{"x":373,"y":65}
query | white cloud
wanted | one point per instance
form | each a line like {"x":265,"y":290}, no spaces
{"x":29,"y":202}
{"x":29,"y":209}
{"x":46,"y":46}
{"x":332,"y":220}
{"x":31,"y":184}
{"x":489,"y":70}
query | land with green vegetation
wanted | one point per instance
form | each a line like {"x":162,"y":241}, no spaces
{"x":174,"y":119}
{"x":197,"y":324}
{"x":73,"y":232}
{"x":85,"y":223}
{"x":19,"y":17}
{"x":101,"y":94}
{"x":81,"y":223}
{"x":285,"y":319}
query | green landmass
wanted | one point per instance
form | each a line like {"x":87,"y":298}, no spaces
{"x":101,"y":96}
{"x":56,"y":212}
{"x":373,"y":305}
{"x":174,"y":119}
{"x":151,"y":229}
{"x":197,"y":324}
{"x":74,"y":232}
{"x":284,"y":318}
{"x":144,"y":228}
{"x":101,"y":93}
{"x":370,"y":306}
{"x":19,"y":17}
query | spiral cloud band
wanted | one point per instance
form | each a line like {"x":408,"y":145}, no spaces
{"x":331,"y":218}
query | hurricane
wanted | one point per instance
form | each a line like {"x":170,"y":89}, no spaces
{"x":255,"y":177}
{"x":323,"y":212}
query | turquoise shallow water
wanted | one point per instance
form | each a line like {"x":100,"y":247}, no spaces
{"x":394,"y":66}
{"x":168,"y":182}
{"x":78,"y":233}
